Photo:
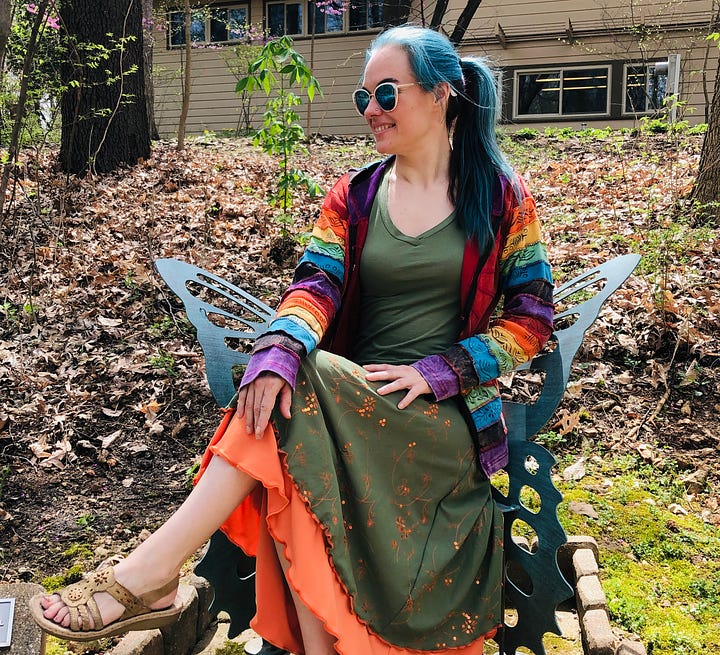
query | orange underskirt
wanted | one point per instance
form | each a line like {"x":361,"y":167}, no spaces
{"x":276,"y":512}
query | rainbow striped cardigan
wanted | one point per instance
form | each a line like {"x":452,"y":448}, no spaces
{"x":321,"y":306}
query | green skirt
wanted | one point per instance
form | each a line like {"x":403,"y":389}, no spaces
{"x":412,"y":530}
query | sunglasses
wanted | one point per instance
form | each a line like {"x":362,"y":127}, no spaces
{"x":385,"y":94}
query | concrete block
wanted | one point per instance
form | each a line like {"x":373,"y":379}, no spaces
{"x":205,"y":594}
{"x":180,"y":637}
{"x":584,"y":563}
{"x":589,"y":594}
{"x":567,"y":550}
{"x":26,"y":638}
{"x":630,"y":647}
{"x":597,"y":634}
{"x":142,"y":642}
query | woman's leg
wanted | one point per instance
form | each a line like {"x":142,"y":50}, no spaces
{"x":315,"y":638}
{"x":158,"y":559}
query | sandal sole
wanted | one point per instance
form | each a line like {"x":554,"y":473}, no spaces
{"x":148,"y":621}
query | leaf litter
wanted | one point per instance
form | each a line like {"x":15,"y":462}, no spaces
{"x":105,"y":410}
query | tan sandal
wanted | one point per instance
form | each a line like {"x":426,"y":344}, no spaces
{"x":79,"y":598}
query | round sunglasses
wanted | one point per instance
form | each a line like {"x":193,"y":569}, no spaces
{"x":385,"y":94}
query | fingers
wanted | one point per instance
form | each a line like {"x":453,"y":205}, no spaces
{"x":257,"y":400}
{"x":399,"y":378}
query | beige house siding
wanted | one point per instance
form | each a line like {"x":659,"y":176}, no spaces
{"x":523,"y":35}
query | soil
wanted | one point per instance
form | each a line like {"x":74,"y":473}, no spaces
{"x":104,"y":408}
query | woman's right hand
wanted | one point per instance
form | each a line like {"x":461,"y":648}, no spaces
{"x":257,"y":399}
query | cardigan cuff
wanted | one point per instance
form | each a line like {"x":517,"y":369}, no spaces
{"x":275,"y":359}
{"x":439,"y":375}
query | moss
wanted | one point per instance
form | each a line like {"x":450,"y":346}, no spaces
{"x":55,"y":582}
{"x":231,"y":648}
{"x":660,"y":571}
{"x":78,"y":551}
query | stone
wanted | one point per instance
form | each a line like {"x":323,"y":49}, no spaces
{"x":180,"y":637}
{"x":589,"y":594}
{"x":597,"y":634}
{"x":567,"y":550}
{"x":142,"y":642}
{"x":630,"y":647}
{"x":205,"y":594}
{"x":27,"y":638}
{"x":584,"y":563}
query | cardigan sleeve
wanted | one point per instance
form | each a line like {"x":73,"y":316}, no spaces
{"x":312,"y":299}
{"x":520,"y":330}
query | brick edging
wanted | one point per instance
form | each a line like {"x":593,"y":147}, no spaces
{"x":578,"y":560}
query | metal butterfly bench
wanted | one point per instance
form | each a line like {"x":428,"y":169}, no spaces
{"x":228,"y":320}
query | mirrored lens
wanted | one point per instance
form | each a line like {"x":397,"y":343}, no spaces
{"x":361,"y":97}
{"x":386,"y":96}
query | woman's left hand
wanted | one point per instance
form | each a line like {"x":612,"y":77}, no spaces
{"x":399,"y":377}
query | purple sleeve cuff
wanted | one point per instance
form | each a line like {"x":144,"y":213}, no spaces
{"x":439,"y":375}
{"x":284,"y":363}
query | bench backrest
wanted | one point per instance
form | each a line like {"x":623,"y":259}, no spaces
{"x":226,"y":316}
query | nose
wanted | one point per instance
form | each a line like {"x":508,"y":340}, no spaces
{"x":373,"y":107}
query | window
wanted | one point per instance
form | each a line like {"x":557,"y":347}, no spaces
{"x":365,"y":14}
{"x":323,"y":16}
{"x":562,"y":92}
{"x":645,"y":89}
{"x":209,"y":25}
{"x":284,"y":18}
{"x":327,"y":15}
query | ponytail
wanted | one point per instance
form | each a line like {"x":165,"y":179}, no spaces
{"x":476,"y":159}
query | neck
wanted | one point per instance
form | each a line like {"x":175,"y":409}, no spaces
{"x":426,"y":165}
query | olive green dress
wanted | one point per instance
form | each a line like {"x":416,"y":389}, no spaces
{"x":412,"y":530}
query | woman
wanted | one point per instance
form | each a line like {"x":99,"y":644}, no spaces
{"x":366,"y":499}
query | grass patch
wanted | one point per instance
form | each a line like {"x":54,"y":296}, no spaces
{"x":660,"y":570}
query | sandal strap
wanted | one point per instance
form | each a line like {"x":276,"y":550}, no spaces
{"x":79,"y":598}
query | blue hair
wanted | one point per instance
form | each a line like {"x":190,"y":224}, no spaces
{"x":476,"y":160}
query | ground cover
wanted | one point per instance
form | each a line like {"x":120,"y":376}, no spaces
{"x":104,"y":409}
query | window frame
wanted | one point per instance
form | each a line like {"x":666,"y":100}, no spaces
{"x":309,"y":15}
{"x":628,"y":111}
{"x":208,"y":10}
{"x":561,"y":70}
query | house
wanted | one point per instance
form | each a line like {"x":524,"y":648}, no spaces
{"x":560,"y":62}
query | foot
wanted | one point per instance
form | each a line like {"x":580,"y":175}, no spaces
{"x":110,"y":610}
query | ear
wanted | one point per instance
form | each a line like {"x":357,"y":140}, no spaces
{"x":442,"y":92}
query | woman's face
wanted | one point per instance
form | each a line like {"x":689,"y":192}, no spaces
{"x":401,"y":130}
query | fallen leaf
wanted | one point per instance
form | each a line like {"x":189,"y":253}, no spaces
{"x":575,"y":471}
{"x":584,"y":509}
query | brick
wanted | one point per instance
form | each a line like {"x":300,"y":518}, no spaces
{"x":142,"y":642}
{"x":567,"y":550}
{"x":205,"y":594}
{"x":27,"y":638}
{"x":589,"y":594}
{"x":630,"y":647}
{"x":180,"y":637}
{"x":584,"y":563}
{"x":597,"y":634}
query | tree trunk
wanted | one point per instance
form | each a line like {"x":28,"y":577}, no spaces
{"x":104,"y":116}
{"x":148,"y":43}
{"x":5,"y":25}
{"x":707,"y":183}
{"x":187,"y":80}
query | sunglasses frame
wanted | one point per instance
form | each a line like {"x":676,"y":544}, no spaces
{"x":396,"y":87}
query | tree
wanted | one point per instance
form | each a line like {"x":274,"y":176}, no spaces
{"x":148,"y":23}
{"x":5,"y":23}
{"x":104,"y":115}
{"x":187,"y":80}
{"x":706,"y":190}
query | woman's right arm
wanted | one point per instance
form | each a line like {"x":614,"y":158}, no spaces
{"x":303,"y":316}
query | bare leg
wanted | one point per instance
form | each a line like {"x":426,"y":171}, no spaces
{"x":316,"y":639}
{"x":158,"y":559}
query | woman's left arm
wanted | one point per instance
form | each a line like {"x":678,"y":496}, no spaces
{"x":523,"y":326}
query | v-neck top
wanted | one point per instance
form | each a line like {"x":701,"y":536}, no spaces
{"x":410,"y":289}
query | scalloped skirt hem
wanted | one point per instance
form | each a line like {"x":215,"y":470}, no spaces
{"x":276,"y":512}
